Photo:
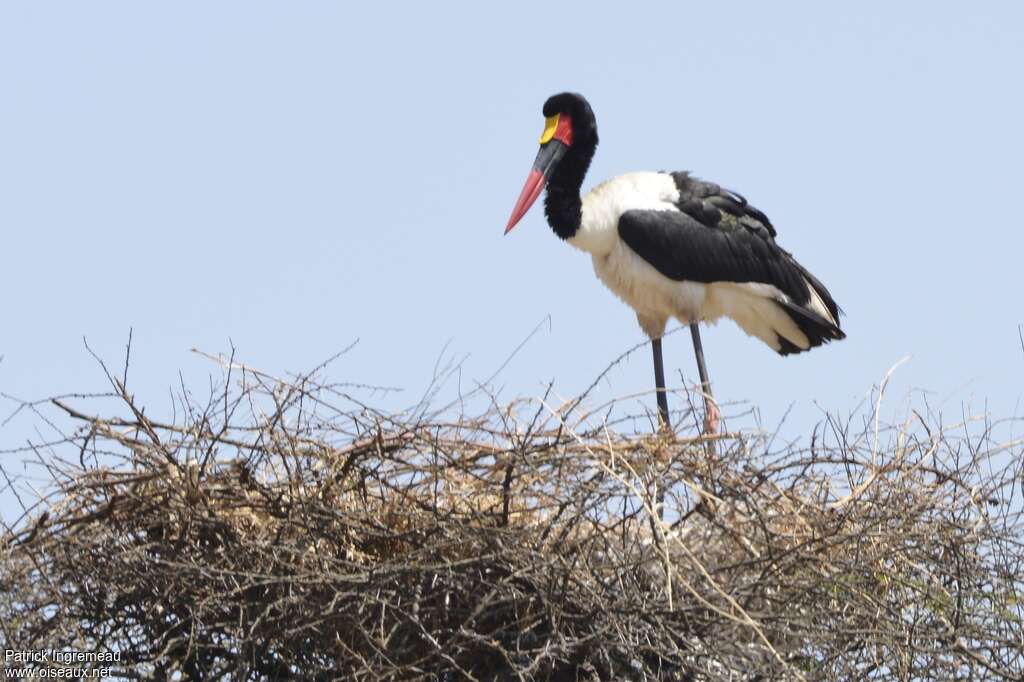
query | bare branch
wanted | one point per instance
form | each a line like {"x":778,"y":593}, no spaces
{"x":282,"y":527}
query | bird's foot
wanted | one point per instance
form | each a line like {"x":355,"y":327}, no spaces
{"x":712,"y":417}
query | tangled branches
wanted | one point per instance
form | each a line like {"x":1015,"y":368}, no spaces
{"x":287,"y":529}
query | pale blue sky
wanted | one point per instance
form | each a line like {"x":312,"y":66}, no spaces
{"x":294,"y":176}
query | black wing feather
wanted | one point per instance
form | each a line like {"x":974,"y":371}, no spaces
{"x":717,"y":236}
{"x":705,"y":202}
{"x":682,"y":248}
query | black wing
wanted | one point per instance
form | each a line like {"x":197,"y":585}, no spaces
{"x":709,"y":204}
{"x":717,"y":237}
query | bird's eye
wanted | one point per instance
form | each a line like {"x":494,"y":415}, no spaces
{"x":557,"y":127}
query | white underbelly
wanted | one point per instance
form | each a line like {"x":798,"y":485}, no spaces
{"x":647,"y":291}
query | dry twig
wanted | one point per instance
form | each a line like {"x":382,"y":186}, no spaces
{"x":287,"y":529}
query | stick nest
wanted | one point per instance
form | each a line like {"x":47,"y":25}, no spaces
{"x":286,"y":529}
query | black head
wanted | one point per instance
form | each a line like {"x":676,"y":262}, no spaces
{"x":577,"y":108}
{"x":566,"y":147}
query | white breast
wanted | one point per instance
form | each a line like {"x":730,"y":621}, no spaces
{"x":602,"y":206}
{"x":654,"y":297}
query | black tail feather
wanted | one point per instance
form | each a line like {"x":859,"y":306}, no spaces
{"x":816,"y":328}
{"x":817,"y":285}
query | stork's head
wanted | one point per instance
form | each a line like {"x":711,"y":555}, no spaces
{"x":567,"y":144}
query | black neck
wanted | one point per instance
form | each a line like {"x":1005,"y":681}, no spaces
{"x":562,"y":203}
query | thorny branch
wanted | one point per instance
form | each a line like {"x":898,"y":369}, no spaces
{"x":286,"y":528}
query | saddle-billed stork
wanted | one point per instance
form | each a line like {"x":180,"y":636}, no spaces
{"x":671,"y":245}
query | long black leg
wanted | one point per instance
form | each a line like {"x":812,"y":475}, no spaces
{"x":666,"y":425}
{"x":698,"y":349}
{"x":710,"y":409}
{"x":659,"y":384}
